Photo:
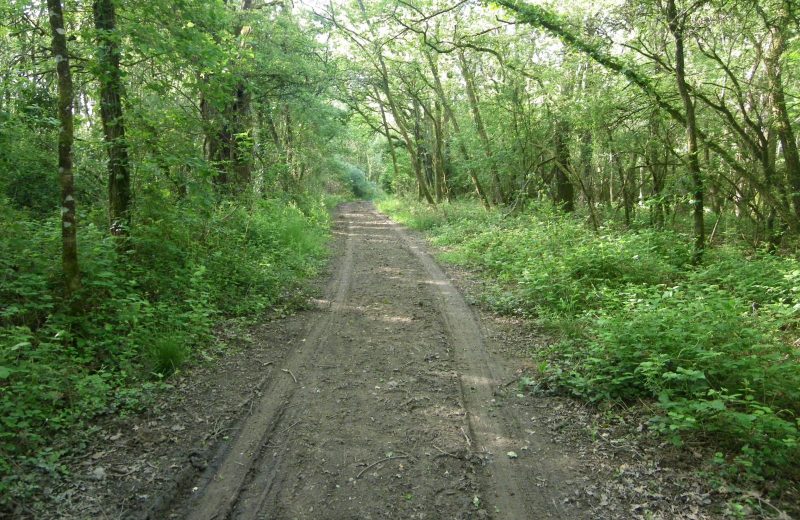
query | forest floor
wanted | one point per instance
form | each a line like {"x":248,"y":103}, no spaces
{"x":390,"y":397}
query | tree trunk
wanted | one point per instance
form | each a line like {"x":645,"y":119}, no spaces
{"x":438,"y":153}
{"x":658,"y":173}
{"x":587,"y":151}
{"x":241,"y":161}
{"x":447,"y":162}
{"x":676,"y":25}
{"x":423,"y":153}
{"x":69,"y":236}
{"x":780,"y":112}
{"x":625,"y":185}
{"x":437,"y":84}
{"x":225,"y":127}
{"x":564,"y":195}
{"x":111,"y":92}
{"x":388,"y":134}
{"x":402,"y":128}
{"x":289,"y":145}
{"x":242,"y":154}
{"x":497,"y":188}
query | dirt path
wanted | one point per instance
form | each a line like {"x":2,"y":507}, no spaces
{"x":390,"y":399}
{"x":388,"y":408}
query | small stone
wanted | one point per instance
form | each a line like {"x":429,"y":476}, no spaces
{"x":99,"y":473}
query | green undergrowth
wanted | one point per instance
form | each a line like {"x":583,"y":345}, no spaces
{"x":144,"y":309}
{"x":711,"y":348}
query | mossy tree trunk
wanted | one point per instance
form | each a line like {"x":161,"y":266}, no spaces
{"x":111,"y":92}
{"x":69,"y":236}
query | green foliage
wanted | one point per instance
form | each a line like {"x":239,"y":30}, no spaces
{"x":712,"y":346}
{"x":22,"y":140}
{"x":143,"y":313}
{"x":355,"y":179}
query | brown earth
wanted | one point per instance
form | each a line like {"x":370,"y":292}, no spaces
{"x":390,"y":398}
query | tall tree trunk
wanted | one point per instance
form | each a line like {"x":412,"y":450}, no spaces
{"x":209,"y":116}
{"x":111,"y":92}
{"x":280,"y":149}
{"x":289,"y":144}
{"x":658,"y":173}
{"x":587,"y":145}
{"x":625,"y":184}
{"x":402,"y":128}
{"x":447,"y":162}
{"x":438,"y":154}
{"x":437,"y":84}
{"x":69,"y":235}
{"x":773,"y":227}
{"x":240,"y":124}
{"x":774,"y":66}
{"x":241,"y":151}
{"x":423,"y":153}
{"x":227,"y":125}
{"x":676,"y":26}
{"x":587,"y":151}
{"x":388,"y":134}
{"x":469,"y":83}
{"x":564,"y":195}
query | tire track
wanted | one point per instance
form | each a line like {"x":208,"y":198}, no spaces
{"x":380,"y":401}
{"x":492,"y":428}
{"x":220,"y":486}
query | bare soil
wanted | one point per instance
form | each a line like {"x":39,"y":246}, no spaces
{"x":390,"y":398}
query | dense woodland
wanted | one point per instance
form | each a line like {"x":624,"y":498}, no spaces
{"x":624,"y":174}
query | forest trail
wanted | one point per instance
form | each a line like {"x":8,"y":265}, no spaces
{"x":389,"y":407}
{"x":388,"y":398}
{"x":167,"y":171}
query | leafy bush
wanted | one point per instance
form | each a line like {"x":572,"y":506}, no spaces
{"x":356,"y":180}
{"x":144,"y":310}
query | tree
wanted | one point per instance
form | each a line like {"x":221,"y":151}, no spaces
{"x":677,"y":27}
{"x":111,"y":93}
{"x":69,"y":237}
{"x":469,"y":86}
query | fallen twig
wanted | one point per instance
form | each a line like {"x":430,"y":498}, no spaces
{"x":393,"y":457}
{"x":289,"y":427}
{"x":120,"y":474}
{"x":290,"y":373}
{"x":506,"y":385}
{"x":414,"y":400}
{"x":781,"y":514}
{"x":466,"y":437}
{"x":446,"y":453}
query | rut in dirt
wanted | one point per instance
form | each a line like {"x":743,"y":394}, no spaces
{"x":389,"y":407}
